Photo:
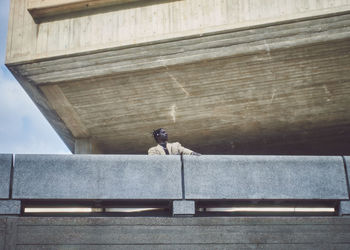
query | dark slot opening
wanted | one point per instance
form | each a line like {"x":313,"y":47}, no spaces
{"x":96,"y":208}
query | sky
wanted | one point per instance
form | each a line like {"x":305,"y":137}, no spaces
{"x":23,"y":129}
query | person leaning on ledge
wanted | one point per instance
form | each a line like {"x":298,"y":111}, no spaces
{"x":166,"y":148}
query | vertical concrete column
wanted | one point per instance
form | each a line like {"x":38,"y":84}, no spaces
{"x":184,"y":208}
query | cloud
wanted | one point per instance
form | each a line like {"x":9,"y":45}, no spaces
{"x":23,"y":129}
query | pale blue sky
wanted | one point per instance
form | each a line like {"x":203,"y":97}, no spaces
{"x":23,"y":129}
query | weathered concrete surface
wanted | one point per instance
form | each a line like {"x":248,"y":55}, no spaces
{"x":323,"y":246}
{"x":2,"y":233}
{"x":146,"y":21}
{"x":264,"y":177}
{"x":270,"y":89}
{"x":183,"y":207}
{"x":97,"y":177}
{"x":5,"y":172}
{"x":347,"y":166}
{"x":181,"y":233}
{"x":2,"y":239}
{"x":10,"y":207}
{"x":344,"y":208}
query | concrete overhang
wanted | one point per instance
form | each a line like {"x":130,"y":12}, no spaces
{"x":48,"y":9}
{"x":274,"y":88}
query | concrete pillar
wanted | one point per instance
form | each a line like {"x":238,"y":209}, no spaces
{"x":183,"y":208}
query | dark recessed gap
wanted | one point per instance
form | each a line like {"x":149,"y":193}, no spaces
{"x":267,"y":208}
{"x":92,"y":208}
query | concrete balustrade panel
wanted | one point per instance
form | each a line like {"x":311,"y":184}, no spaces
{"x":265,"y":177}
{"x":347,"y":166}
{"x":97,"y":177}
{"x":5,"y":172}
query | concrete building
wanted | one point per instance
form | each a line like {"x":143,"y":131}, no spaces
{"x":250,"y":77}
{"x":224,"y":77}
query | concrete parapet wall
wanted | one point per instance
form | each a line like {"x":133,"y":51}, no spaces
{"x":347,"y":166}
{"x":265,"y":177}
{"x":97,"y":177}
{"x":132,"y":177}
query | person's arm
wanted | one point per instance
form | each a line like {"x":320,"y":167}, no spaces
{"x":195,"y":153}
{"x":186,"y":151}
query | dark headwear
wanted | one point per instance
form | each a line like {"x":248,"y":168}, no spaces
{"x":156,"y":133}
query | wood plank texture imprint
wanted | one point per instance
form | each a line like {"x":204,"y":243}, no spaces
{"x":223,"y":105}
{"x":245,"y":87}
{"x":47,"y":8}
{"x":184,"y":233}
{"x":311,"y":246}
{"x":146,"y":21}
{"x":239,"y":43}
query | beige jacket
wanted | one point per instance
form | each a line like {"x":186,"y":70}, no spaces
{"x":173,"y":148}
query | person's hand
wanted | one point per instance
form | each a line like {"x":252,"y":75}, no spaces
{"x":196,"y":154}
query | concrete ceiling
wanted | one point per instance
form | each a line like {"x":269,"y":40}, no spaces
{"x":285,"y":100}
{"x":283,"y":89}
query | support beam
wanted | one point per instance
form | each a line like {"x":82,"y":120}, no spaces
{"x":66,"y":111}
{"x":40,"y":9}
{"x":45,"y":108}
{"x":86,"y":146}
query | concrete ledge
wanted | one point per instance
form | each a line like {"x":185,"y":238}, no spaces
{"x":265,"y":177}
{"x":9,"y":207}
{"x":5,"y":172}
{"x":97,"y":177}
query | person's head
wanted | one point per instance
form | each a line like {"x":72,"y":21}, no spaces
{"x":160,"y":135}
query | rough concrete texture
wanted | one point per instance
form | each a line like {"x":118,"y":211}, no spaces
{"x":5,"y":171}
{"x":344,"y":208}
{"x":10,"y":207}
{"x":97,"y":177}
{"x":179,"y":233}
{"x":347,"y":166}
{"x":2,"y":233}
{"x":264,"y":177}
{"x":183,"y":207}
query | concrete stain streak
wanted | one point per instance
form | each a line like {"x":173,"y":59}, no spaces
{"x":175,"y":80}
{"x":328,"y":93}
{"x":178,"y":83}
{"x":267,"y":48}
{"x":173,"y":112}
{"x":273,"y":96}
